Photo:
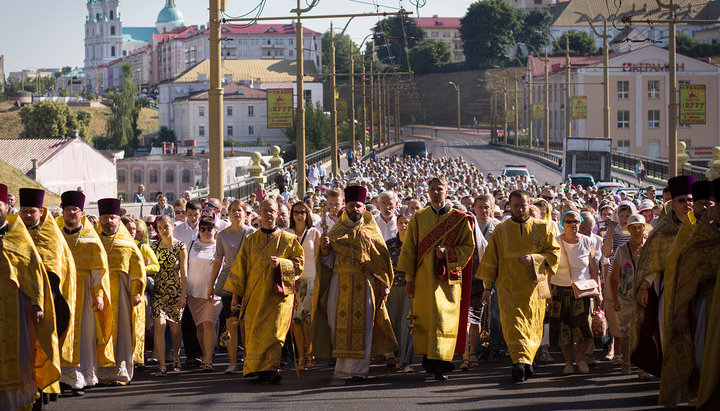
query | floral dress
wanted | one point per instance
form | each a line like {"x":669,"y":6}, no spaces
{"x":166,"y":296}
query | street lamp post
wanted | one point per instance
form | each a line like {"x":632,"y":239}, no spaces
{"x":457,"y":90}
{"x":547,"y":97}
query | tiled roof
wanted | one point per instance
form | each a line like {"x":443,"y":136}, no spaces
{"x":20,"y":152}
{"x":616,"y":10}
{"x":557,"y":64}
{"x":438,"y":22}
{"x":234,"y":91}
{"x":180,"y":32}
{"x":263,"y":70}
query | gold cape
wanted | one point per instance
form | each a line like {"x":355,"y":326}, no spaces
{"x":709,"y":389}
{"x":676,"y":365}
{"x":57,"y":259}
{"x":697,"y":270}
{"x":652,"y":261}
{"x":267,"y":312}
{"x":436,"y":304}
{"x":362,"y":254}
{"x":519,"y":287}
{"x":124,"y":258}
{"x":89,"y":254}
{"x":20,"y":268}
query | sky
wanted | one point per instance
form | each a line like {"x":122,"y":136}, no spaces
{"x":50,"y":33}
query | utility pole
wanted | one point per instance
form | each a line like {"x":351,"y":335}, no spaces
{"x":364,"y":109}
{"x":568,"y":98}
{"x":457,"y":91}
{"x":333,"y":106}
{"x":530,"y":106}
{"x":505,"y":111}
{"x":215,"y":102}
{"x":547,"y":106}
{"x":517,"y":114}
{"x":372,"y":108}
{"x":397,"y":114}
{"x":352,"y":103}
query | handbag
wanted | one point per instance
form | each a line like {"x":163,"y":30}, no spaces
{"x":581,"y":288}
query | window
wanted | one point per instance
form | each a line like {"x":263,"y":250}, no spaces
{"x":137,"y":176}
{"x":308,"y":96}
{"x":290,"y":41}
{"x":654,"y":89}
{"x":291,"y":53}
{"x":229,"y":111}
{"x":121,"y":176}
{"x":201,"y":131}
{"x":229,"y":130}
{"x":623,"y":90}
{"x":251,"y":111}
{"x":654,"y":148}
{"x":112,"y":30}
{"x":279,"y":42}
{"x":653,"y":118}
{"x":623,"y":146}
{"x":112,"y":51}
{"x":251,"y":130}
{"x":186,"y":176}
{"x":169,"y":178}
{"x":154,"y":176}
{"x":623,"y":119}
{"x":201,"y":111}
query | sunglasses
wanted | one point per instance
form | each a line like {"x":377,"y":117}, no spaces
{"x":547,"y":198}
{"x":209,"y":205}
{"x":206,"y":229}
{"x":572,"y":221}
{"x":179,"y":211}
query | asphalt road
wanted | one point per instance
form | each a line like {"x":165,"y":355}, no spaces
{"x":488,"y":387}
{"x":475,"y":149}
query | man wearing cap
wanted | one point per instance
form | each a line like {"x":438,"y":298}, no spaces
{"x":263,"y":278}
{"x":30,"y":357}
{"x":127,"y":285}
{"x":520,"y":257}
{"x":58,"y":262}
{"x":652,"y":265}
{"x":93,"y":346}
{"x":358,"y":324}
{"x":697,"y":265}
{"x":436,"y":258}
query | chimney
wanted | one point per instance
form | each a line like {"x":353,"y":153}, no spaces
{"x":33,"y":170}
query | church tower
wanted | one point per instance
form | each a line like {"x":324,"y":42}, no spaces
{"x":103,"y":39}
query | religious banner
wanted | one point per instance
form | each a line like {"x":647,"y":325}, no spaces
{"x":579,"y":108}
{"x":692,"y":104}
{"x":279,"y":108}
{"x":538,"y":111}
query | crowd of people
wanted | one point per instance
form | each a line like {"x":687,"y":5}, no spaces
{"x":391,"y":259}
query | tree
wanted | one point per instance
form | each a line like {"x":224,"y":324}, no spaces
{"x":53,"y":119}
{"x":167,"y":135}
{"x":487,"y":31}
{"x":121,"y":129}
{"x":317,"y":132}
{"x":391,"y":35}
{"x":429,"y":54}
{"x":581,"y":43}
{"x":535,"y":28}
{"x":344,"y":48}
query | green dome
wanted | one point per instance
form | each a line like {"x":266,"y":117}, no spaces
{"x":170,"y":15}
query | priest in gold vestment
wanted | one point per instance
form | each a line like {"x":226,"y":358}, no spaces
{"x":127,"y":285}
{"x":263,"y":278}
{"x":93,"y":345}
{"x":521,"y":255}
{"x":689,"y":264}
{"x":29,"y":355}
{"x":436,"y":257}
{"x":59,"y":265}
{"x":648,"y":332}
{"x":358,"y":324}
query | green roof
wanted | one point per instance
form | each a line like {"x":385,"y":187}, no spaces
{"x":170,"y":15}
{"x":143,"y":34}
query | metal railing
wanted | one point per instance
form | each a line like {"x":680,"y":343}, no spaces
{"x":552,"y":157}
{"x":654,"y":167}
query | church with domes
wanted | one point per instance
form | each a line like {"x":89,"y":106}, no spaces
{"x":106,"y":40}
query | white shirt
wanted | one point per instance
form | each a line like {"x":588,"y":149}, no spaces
{"x":200,"y":262}
{"x":388,"y":229}
{"x":578,"y":256}
{"x":330,"y":224}
{"x":185,"y":233}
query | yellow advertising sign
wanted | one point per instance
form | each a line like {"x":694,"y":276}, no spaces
{"x":538,"y":111}
{"x":579,"y":108}
{"x":692,"y":104}
{"x":279,"y":108}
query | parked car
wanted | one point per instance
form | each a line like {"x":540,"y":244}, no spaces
{"x":415,"y":148}
{"x":585,"y":180}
